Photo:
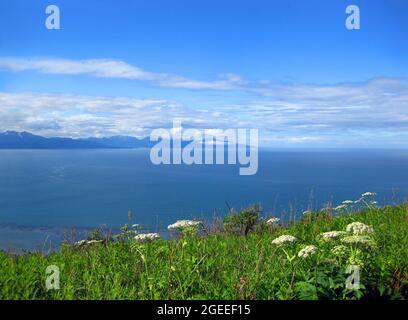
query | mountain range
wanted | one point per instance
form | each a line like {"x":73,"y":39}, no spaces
{"x":26,"y":140}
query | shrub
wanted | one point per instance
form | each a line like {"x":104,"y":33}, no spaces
{"x":243,"y":222}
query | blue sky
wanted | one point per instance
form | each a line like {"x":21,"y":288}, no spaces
{"x":289,"y":68}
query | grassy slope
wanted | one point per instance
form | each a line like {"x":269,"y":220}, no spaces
{"x":223,"y":266}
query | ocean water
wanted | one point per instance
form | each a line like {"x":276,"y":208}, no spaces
{"x":46,"y":194}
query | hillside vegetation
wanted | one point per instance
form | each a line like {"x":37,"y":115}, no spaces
{"x":247,"y":258}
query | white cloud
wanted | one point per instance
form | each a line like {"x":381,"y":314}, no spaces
{"x":110,"y":68}
{"x":375,"y":104}
{"x":79,"y":116}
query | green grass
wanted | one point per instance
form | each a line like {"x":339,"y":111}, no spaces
{"x":225,"y":266}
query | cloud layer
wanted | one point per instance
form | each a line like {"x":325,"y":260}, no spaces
{"x":355,"y":113}
{"x":374,"y":112}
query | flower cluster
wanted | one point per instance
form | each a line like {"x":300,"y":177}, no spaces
{"x":350,"y":243}
{"x":82,"y":243}
{"x":358,"y":239}
{"x":272,"y":221}
{"x":182,"y":224}
{"x":368,"y":194}
{"x":365,"y":199}
{"x":359,"y":228}
{"x":332,"y":234}
{"x":341,"y":207}
{"x":147,"y":237}
{"x":307,"y":251}
{"x":284,"y":239}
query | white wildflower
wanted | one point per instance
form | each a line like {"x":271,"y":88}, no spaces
{"x":135,"y":226}
{"x":283,"y":239}
{"x":182,"y":224}
{"x":368,"y":194}
{"x":307,"y":212}
{"x":359,"y":228}
{"x":332,"y":234}
{"x":357,"y":239}
{"x":80,"y":243}
{"x":93,"y":242}
{"x":272,"y":221}
{"x":307,"y":251}
{"x":347,"y":202}
{"x":147,"y":237}
{"x":340,"y":207}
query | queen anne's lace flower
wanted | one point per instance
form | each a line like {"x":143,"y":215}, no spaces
{"x":93,"y":241}
{"x":147,"y":237}
{"x":346,"y":202}
{"x":358,"y":239}
{"x":284,"y":239}
{"x":182,"y":224}
{"x":340,"y":207}
{"x":359,"y":228}
{"x":82,"y":243}
{"x":332,"y":234}
{"x":272,"y":221}
{"x":307,"y":251}
{"x":368,"y":194}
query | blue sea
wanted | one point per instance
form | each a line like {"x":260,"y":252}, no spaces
{"x":49,"y":195}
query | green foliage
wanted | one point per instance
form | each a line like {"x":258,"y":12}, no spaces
{"x":242,"y":222}
{"x":225,"y":265}
{"x":127,"y":233}
{"x":95,"y":234}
